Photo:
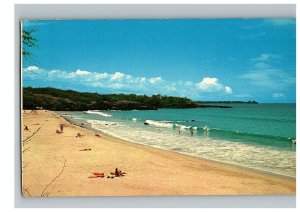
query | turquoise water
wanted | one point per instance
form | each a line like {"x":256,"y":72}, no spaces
{"x":259,"y":136}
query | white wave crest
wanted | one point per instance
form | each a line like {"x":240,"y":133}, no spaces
{"x":158,"y":123}
{"x":184,"y":127}
{"x":98,"y":122}
{"x":205,"y":128}
{"x":98,"y":113}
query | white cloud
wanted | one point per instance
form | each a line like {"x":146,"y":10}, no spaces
{"x":261,"y":65}
{"x":32,"y":68}
{"x":81,"y":72}
{"x":101,"y":76}
{"x":209,"y":84}
{"x":117,"y":80}
{"x":265,"y":75}
{"x":270,"y":78}
{"x":278,"y":95}
{"x":228,"y":90}
{"x":124,"y":83}
{"x":188,"y":83}
{"x":280,"y":21}
{"x":265,"y":57}
{"x":117,"y":76}
{"x":155,"y":80}
{"x":58,"y":74}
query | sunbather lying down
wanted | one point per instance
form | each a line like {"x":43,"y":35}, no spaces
{"x":57,"y":131}
{"x":96,"y":175}
{"x":85,"y":149}
{"x":118,"y":173}
{"x":79,"y":135}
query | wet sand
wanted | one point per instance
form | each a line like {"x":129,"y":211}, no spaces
{"x":53,"y":165}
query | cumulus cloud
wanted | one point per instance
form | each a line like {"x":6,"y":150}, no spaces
{"x":117,"y":76}
{"x":154,"y":80}
{"x":114,"y":81}
{"x":32,"y":68}
{"x":125,"y":83}
{"x":80,"y":72}
{"x":228,"y":90}
{"x":101,"y":76}
{"x":278,"y":95}
{"x":209,"y":84}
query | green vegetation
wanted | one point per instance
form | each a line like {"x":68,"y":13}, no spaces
{"x":68,"y":100}
{"x":28,"y":41}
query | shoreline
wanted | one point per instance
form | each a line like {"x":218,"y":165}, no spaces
{"x":150,"y":171}
{"x":88,"y":126}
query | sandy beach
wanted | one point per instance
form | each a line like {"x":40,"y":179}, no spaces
{"x":61,"y":164}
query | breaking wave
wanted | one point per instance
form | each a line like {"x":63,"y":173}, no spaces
{"x":98,"y":113}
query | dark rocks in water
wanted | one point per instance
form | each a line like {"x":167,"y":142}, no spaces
{"x":193,"y":120}
{"x":145,"y":123}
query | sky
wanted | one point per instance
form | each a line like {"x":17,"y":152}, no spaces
{"x":202,"y":59}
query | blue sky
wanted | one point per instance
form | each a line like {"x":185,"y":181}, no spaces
{"x":202,"y":59}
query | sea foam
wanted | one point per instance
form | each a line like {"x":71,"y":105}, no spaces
{"x":98,"y":113}
{"x":158,"y":123}
{"x":257,"y":157}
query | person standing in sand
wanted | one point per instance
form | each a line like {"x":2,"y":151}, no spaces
{"x":192,"y":132}
{"x":61,"y":128}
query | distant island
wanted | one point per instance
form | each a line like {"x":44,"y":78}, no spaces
{"x":69,"y":100}
{"x":227,"y":102}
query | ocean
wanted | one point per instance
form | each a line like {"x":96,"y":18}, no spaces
{"x":257,"y":136}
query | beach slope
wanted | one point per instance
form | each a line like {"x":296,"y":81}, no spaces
{"x":61,"y":164}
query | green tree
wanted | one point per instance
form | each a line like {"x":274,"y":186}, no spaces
{"x":28,"y":42}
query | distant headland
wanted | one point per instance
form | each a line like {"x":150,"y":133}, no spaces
{"x":227,"y":102}
{"x":69,"y":100}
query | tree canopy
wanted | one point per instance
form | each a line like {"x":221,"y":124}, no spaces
{"x":28,"y":41}
{"x":69,"y":100}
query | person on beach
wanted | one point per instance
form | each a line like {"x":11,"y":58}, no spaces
{"x":61,"y":128}
{"x":192,"y":132}
{"x":118,"y":173}
{"x":78,"y":135}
